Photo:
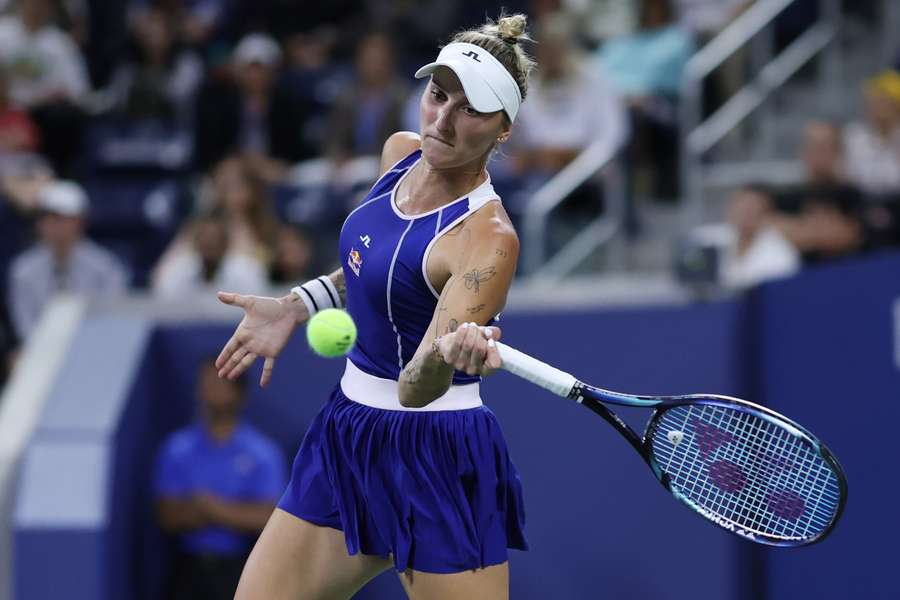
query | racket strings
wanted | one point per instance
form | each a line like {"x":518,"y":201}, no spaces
{"x":747,"y":470}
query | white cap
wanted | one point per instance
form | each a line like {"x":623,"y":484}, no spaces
{"x":65,"y":198}
{"x":488,"y":85}
{"x":257,"y":48}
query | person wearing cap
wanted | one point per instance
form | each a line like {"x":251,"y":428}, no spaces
{"x":62,"y":261}
{"x":251,"y":113}
{"x":405,"y":467}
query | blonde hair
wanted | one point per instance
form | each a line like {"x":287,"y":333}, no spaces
{"x":502,"y":39}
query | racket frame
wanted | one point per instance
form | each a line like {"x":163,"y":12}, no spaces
{"x":593,"y":398}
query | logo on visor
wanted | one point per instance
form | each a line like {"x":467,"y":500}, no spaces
{"x":472,"y":54}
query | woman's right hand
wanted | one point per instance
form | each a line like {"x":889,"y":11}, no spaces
{"x":264,"y":331}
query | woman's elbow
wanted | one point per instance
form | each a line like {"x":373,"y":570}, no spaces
{"x":416,"y":398}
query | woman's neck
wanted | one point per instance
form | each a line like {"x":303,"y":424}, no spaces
{"x":427,"y":187}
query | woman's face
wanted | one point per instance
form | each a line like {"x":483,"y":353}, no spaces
{"x":453,"y":133}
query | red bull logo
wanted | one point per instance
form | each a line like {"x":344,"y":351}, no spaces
{"x":354,"y":260}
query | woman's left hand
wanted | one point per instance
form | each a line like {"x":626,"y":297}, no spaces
{"x":471,"y":349}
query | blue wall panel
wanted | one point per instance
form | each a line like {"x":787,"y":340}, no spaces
{"x":828,"y":361}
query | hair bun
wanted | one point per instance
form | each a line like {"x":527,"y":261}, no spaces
{"x":512,"y":28}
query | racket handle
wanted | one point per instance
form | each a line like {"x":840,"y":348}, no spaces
{"x":536,"y":371}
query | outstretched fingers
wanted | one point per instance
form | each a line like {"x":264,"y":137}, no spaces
{"x":242,"y":366}
{"x":227,"y":352}
{"x":268,"y":367}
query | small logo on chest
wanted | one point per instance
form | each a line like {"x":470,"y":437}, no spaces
{"x":365,"y":239}
{"x":354,"y":261}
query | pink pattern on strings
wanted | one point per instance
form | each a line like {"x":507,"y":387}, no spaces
{"x":727,"y":476}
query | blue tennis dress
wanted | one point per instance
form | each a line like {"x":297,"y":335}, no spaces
{"x":432,"y":487}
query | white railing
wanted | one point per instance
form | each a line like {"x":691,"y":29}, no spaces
{"x":596,"y":158}
{"x":700,"y":136}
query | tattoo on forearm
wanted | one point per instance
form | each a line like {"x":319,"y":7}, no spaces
{"x":413,"y":371}
{"x":337,"y":278}
{"x":476,"y":277}
{"x":475,"y":309}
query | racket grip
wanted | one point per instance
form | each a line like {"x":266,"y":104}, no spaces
{"x":536,"y":371}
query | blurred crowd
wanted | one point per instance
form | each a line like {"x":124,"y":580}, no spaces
{"x":183,"y":146}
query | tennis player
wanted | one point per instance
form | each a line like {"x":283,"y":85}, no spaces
{"x":404,"y":466}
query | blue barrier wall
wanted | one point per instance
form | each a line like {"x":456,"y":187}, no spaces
{"x":818,"y":347}
{"x":827,"y":357}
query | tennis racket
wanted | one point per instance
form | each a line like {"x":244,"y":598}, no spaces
{"x":742,"y":466}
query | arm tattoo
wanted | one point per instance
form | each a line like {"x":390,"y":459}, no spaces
{"x":501,"y":253}
{"x":337,"y":278}
{"x":475,"y":309}
{"x":452,"y":325}
{"x":413,"y":371}
{"x":476,"y":277}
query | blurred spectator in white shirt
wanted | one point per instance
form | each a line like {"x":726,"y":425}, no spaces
{"x":207,"y":264}
{"x":873,"y":144}
{"x":43,"y":63}
{"x":570,"y":103}
{"x":63,"y":260}
{"x":744,"y":251}
{"x":570,"y":106}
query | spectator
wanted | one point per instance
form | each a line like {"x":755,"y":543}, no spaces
{"x":248,"y":113}
{"x":821,"y":215}
{"x":570,"y":106}
{"x":18,"y":132}
{"x":201,"y":23}
{"x":823,"y":153}
{"x":242,"y":198}
{"x":757,"y":251}
{"x":160,"y":79}
{"x":873,"y":145}
{"x":216,"y":484}
{"x":47,"y":77}
{"x":646,"y":68}
{"x":62,"y":261}
{"x":371,"y":108}
{"x":315,"y":81}
{"x":294,"y":257}
{"x":570,"y":103}
{"x":202,"y":261}
{"x":751,"y":248}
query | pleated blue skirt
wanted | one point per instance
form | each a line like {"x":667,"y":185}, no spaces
{"x":436,"y":490}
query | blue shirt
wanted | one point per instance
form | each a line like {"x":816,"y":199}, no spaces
{"x":246,"y":468}
{"x":647,"y":63}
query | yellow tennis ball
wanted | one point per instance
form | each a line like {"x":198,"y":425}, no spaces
{"x":331,"y":332}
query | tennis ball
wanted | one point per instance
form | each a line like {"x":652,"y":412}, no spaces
{"x":331,"y":332}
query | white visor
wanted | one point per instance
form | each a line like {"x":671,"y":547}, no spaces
{"x":488,"y":85}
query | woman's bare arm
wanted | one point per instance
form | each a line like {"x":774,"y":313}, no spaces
{"x":475,"y":292}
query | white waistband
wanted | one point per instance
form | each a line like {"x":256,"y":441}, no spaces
{"x":376,"y":392}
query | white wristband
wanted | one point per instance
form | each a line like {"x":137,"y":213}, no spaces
{"x":318,"y":294}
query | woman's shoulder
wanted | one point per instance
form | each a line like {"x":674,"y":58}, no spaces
{"x":397,"y":147}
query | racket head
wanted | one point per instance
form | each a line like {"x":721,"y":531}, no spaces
{"x":746,"y":468}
